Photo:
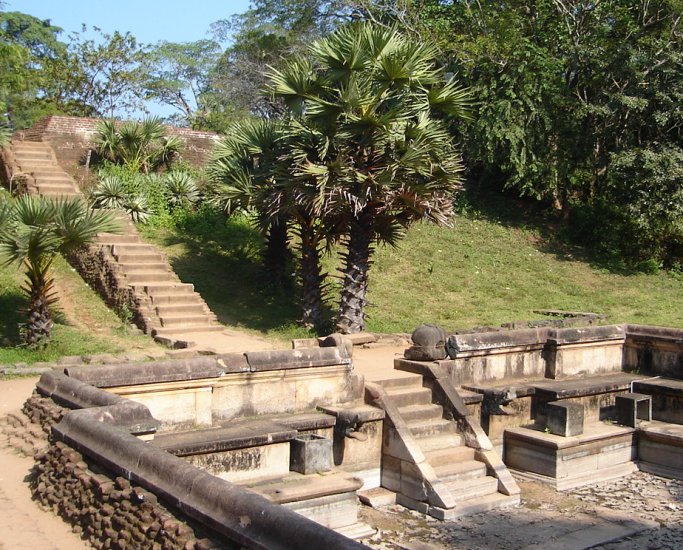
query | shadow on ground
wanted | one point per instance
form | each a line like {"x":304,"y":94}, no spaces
{"x":222,"y":259}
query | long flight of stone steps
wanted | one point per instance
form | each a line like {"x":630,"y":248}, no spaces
{"x":455,"y":464}
{"x":169,"y":307}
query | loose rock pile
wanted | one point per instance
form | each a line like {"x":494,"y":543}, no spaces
{"x":109,"y":513}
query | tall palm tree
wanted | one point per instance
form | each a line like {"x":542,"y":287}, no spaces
{"x":247,"y":173}
{"x":33,"y":230}
{"x":381,"y":157}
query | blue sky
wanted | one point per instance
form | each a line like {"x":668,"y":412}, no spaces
{"x":148,"y":20}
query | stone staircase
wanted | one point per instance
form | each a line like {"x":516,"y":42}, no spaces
{"x":426,"y":459}
{"x":167,"y":307}
{"x":34,"y":161}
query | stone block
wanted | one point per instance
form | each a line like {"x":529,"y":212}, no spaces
{"x":632,"y":407}
{"x":310,"y":453}
{"x":565,"y":418}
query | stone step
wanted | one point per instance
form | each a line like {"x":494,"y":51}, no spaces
{"x":56,"y":190}
{"x":403,"y":397}
{"x":177,"y":321}
{"x":440,"y":441}
{"x":144,"y":267}
{"x":196,"y":308}
{"x":38,"y":166}
{"x":481,"y":504}
{"x":431,"y":411}
{"x":175,"y":299}
{"x":131,"y":248}
{"x":410,"y":381}
{"x":58,"y":193}
{"x":473,"y":488}
{"x":150,"y":278}
{"x":175,"y":331}
{"x":421,"y":428}
{"x":47,"y":172}
{"x":110,"y":238}
{"x":441,"y":457}
{"x":461,"y":470}
{"x":165,"y":288}
{"x":31,"y":145}
{"x":22,"y":153}
{"x":144,"y":257}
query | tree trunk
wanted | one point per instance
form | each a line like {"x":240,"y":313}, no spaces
{"x":351,"y":317}
{"x":39,"y":318}
{"x":311,"y":278}
{"x":277,"y":256}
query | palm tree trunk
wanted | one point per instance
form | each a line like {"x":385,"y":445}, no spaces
{"x":351,"y":317}
{"x":39,"y":318}
{"x":277,"y":256}
{"x":311,"y":278}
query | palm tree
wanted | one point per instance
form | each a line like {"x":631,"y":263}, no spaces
{"x":368,"y":146}
{"x":141,"y":146}
{"x":33,"y":230}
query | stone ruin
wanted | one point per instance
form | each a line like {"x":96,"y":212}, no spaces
{"x":274,"y":449}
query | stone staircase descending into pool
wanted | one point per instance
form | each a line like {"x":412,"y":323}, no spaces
{"x":164,"y":305}
{"x":436,"y":460}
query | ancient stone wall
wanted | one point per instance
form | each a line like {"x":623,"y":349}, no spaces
{"x":70,"y":138}
{"x":99,"y":269}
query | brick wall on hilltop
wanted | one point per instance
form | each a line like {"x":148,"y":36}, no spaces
{"x":70,"y":137}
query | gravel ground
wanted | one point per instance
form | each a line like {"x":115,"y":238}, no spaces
{"x":547,"y":519}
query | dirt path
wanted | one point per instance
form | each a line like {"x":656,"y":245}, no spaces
{"x":23,"y":524}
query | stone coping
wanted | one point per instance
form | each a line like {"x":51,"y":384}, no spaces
{"x":206,"y":367}
{"x":654,"y":332}
{"x":659,"y":386}
{"x":671,"y":434}
{"x":580,"y":387}
{"x":585,"y":335}
{"x":593,"y":432}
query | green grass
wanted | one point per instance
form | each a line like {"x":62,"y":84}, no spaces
{"x":497,"y":264}
{"x":222,"y":259}
{"x":83,"y":323}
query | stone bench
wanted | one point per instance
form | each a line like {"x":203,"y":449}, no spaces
{"x":667,"y":398}
{"x":244,"y":449}
{"x":597,"y":394}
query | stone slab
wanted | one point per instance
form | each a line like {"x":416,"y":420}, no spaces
{"x":563,"y":389}
{"x":250,"y":433}
{"x":377,"y":497}
{"x":298,"y":487}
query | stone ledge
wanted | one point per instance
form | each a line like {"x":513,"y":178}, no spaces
{"x":593,"y":433}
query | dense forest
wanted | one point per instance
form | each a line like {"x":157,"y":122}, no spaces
{"x":575,"y":106}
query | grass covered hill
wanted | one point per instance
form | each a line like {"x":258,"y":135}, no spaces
{"x":497,"y":264}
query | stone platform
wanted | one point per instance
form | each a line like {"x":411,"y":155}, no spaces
{"x":604,"y":451}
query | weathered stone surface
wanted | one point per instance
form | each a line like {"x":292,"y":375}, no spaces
{"x":564,"y":418}
{"x":310,"y":453}
{"x":429,"y":344}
